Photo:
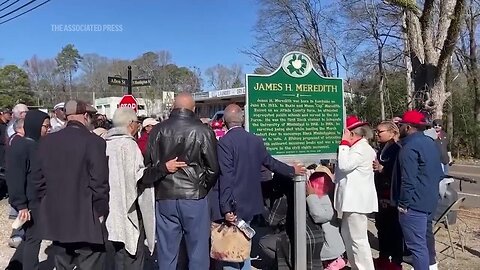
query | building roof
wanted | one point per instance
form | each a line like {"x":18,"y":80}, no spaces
{"x":220,"y":94}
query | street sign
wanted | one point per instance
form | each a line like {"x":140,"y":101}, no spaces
{"x":117,"y":81}
{"x":298,"y":113}
{"x":128,"y":101}
{"x":128,"y":82}
{"x":141,"y":82}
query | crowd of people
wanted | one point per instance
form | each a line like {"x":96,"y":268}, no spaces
{"x":111,"y":194}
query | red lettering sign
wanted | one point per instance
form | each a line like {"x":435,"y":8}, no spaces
{"x":128,"y":101}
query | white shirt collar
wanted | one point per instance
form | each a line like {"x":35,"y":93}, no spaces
{"x":233,"y":128}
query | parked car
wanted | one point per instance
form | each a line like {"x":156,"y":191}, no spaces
{"x":218,"y":115}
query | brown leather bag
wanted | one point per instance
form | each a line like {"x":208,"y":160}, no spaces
{"x":229,"y":244}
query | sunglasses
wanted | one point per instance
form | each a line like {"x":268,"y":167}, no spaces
{"x":378,"y":132}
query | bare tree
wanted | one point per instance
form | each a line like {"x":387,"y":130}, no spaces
{"x":147,"y":64}
{"x":432,"y":35}
{"x":164,"y":58}
{"x":285,"y":25}
{"x":468,"y":59}
{"x":408,"y":63}
{"x":45,"y":81}
{"x":95,"y":70}
{"x":371,"y":26}
{"x":222,"y":77}
{"x":118,"y":67}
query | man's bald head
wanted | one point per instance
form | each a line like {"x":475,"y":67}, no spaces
{"x":233,"y":116}
{"x":184,"y":101}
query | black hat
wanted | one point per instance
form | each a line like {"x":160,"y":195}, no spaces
{"x":437,"y":122}
{"x":6,"y":110}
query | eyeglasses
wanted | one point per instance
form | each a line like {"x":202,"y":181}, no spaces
{"x":47,"y":126}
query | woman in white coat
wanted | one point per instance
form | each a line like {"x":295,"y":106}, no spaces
{"x":355,"y":194}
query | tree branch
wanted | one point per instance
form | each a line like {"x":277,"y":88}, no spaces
{"x":410,"y":5}
{"x":452,"y":37}
{"x":413,"y":30}
{"x":391,"y":36}
{"x":427,"y":30}
{"x":445,"y":19}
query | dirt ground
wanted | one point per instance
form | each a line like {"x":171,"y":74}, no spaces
{"x":469,"y":225}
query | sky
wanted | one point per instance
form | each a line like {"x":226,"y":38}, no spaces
{"x":200,"y":33}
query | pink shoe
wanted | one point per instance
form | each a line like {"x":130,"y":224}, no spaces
{"x":338,"y":264}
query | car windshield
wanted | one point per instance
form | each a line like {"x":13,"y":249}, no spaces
{"x":218,"y":116}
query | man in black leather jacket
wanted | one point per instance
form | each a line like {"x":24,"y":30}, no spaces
{"x":182,"y":163}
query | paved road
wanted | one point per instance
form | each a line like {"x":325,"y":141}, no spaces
{"x":470,"y":191}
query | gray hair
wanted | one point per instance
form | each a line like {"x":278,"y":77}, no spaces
{"x":233,"y":118}
{"x":364,"y":131}
{"x":123,"y":117}
{"x":18,"y":124}
{"x":18,"y":109}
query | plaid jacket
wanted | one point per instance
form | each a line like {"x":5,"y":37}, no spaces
{"x":280,"y":217}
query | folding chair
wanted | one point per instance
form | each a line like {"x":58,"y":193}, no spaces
{"x":442,"y":221}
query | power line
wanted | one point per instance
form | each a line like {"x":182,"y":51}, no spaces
{"x":16,"y":8}
{"x":39,"y":5}
{"x":6,"y":1}
{"x":8,"y":5}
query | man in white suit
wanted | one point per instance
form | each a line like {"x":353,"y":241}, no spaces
{"x":355,"y":194}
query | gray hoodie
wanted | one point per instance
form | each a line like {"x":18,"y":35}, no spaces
{"x":321,"y":211}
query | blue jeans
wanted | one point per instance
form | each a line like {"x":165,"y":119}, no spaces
{"x":246,"y":265}
{"x":431,"y":240}
{"x":187,"y":218}
{"x":414,"y":227}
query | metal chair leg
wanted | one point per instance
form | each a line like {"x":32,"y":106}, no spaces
{"x":460,"y":236}
{"x":447,"y":226}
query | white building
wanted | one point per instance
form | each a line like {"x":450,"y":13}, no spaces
{"x":146,"y":107}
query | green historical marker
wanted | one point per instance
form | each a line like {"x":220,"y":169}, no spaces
{"x":296,"y":111}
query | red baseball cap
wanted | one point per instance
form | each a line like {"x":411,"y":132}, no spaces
{"x":413,"y":117}
{"x":353,"y":122}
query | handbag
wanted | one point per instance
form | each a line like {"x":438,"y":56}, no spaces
{"x":229,"y":244}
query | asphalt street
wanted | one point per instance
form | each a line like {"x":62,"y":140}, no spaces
{"x":469,"y":190}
